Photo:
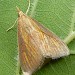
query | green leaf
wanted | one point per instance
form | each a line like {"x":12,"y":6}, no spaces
{"x":56,"y":15}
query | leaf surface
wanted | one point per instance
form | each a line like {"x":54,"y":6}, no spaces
{"x":56,"y":15}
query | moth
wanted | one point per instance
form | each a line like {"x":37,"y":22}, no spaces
{"x":36,"y":43}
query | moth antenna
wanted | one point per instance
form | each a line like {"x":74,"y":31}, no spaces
{"x":12,"y":25}
{"x":17,"y":18}
{"x":28,"y":7}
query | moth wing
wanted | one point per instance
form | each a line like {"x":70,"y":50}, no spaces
{"x":30,"y":57}
{"x":33,"y":48}
{"x":55,"y":47}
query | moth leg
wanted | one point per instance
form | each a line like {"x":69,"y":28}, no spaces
{"x":18,"y":68}
{"x":12,"y":25}
{"x":26,"y":73}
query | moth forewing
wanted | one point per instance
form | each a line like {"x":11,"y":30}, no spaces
{"x":37,"y":43}
{"x":29,"y":54}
